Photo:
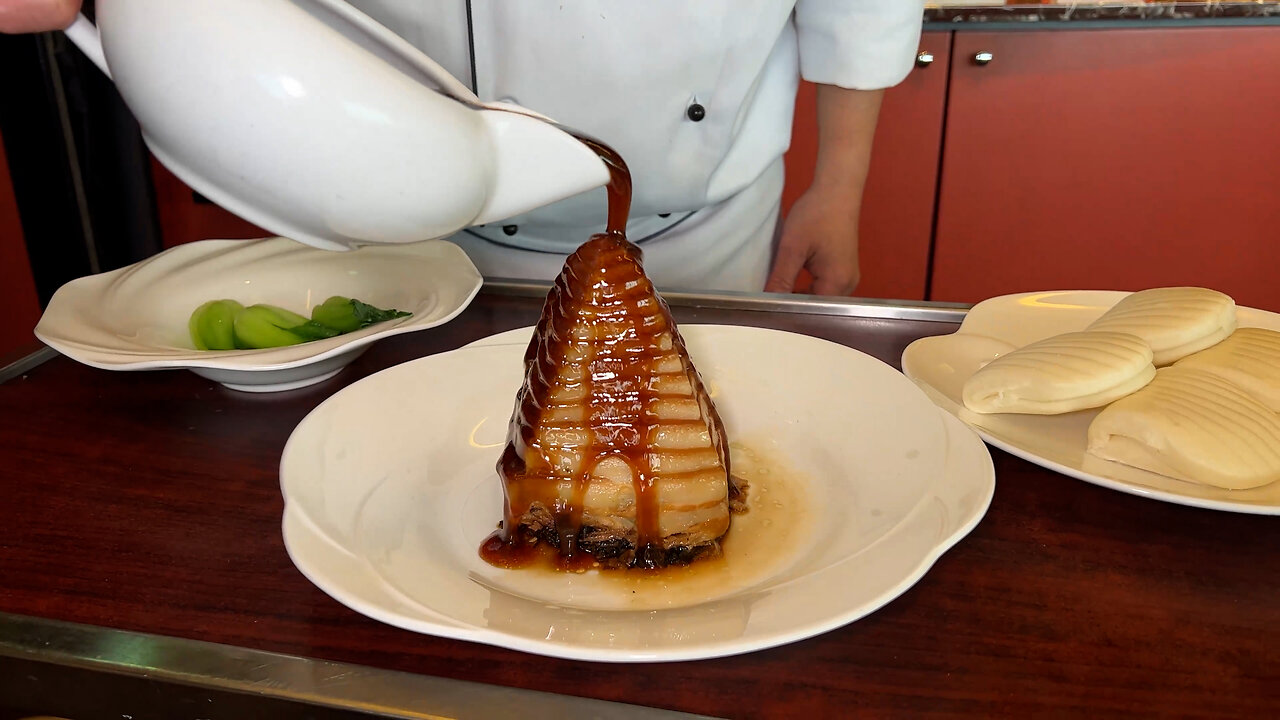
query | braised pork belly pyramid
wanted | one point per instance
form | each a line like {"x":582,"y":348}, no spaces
{"x":615,"y":454}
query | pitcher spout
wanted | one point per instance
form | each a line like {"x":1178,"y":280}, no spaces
{"x":536,"y":164}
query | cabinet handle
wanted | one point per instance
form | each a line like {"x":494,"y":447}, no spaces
{"x":924,"y":59}
{"x":982,"y":58}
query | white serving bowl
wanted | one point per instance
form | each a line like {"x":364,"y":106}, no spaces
{"x":135,"y":318}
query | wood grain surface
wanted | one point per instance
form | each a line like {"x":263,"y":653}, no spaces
{"x":150,"y":501}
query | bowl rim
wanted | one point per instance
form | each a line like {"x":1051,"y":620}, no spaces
{"x":52,"y":330}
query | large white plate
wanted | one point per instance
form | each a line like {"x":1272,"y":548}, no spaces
{"x":390,"y":487}
{"x":941,"y":365}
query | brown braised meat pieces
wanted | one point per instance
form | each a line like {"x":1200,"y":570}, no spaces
{"x":615,"y":449}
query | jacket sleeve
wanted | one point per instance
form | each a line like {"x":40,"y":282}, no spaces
{"x":858,"y":44}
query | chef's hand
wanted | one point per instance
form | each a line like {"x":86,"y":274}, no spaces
{"x":821,"y":230}
{"x":821,"y":235}
{"x":23,"y":16}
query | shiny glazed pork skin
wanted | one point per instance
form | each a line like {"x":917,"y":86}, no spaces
{"x":616,"y":455}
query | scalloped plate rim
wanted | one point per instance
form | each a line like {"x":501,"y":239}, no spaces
{"x":978,"y":474}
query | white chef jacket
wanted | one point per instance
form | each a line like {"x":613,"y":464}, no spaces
{"x":707,"y":185}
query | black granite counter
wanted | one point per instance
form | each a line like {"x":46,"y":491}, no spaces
{"x":1265,"y":10}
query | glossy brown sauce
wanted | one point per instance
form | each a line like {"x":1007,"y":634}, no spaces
{"x":607,"y":272}
{"x":764,"y":542}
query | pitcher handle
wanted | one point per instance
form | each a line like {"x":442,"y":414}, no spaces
{"x":85,"y":35}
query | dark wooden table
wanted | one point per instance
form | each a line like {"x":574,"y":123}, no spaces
{"x":150,"y":502}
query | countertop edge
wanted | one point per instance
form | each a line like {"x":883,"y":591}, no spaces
{"x":21,"y":364}
{"x":871,"y":308}
{"x":331,"y":685}
{"x":1120,"y":13}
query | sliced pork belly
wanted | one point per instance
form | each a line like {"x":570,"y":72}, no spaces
{"x":614,"y":449}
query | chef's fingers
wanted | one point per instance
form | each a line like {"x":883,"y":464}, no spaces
{"x":787,"y":264}
{"x":23,"y":16}
{"x":835,"y":275}
{"x":832,"y":285}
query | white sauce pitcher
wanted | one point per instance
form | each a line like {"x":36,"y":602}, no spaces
{"x":310,"y":119}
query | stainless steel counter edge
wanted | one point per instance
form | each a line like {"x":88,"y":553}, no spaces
{"x":25,"y":363}
{"x":776,"y":302}
{"x":721,"y":300}
{"x":320,"y":683}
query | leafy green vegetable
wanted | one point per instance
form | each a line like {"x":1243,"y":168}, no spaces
{"x":266,"y":326}
{"x":338,"y":313}
{"x":312,"y":330}
{"x":345,"y":314}
{"x":227,"y":325}
{"x":212,"y":325}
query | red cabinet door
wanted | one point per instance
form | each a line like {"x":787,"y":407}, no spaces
{"x":1112,"y":159}
{"x":17,"y":286}
{"x":898,"y":202}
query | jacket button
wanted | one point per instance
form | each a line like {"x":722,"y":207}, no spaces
{"x":510,"y":229}
{"x":696,"y":112}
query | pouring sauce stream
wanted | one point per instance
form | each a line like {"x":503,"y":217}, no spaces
{"x":618,"y":387}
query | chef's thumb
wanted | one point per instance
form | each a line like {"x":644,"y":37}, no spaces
{"x":26,"y":16}
{"x":786,"y":269}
